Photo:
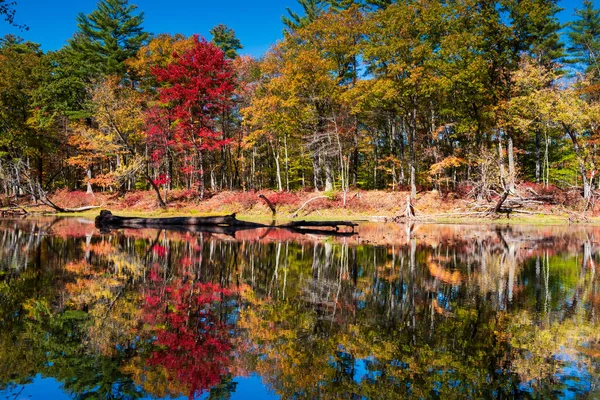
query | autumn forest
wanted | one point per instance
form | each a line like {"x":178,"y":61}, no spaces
{"x":362,"y":132}
{"x":464,"y":96}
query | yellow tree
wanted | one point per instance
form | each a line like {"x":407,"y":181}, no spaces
{"x":303,"y":80}
{"x":118,"y":134}
{"x":159,"y":52}
{"x":274,"y":113}
{"x":402,"y":50}
{"x":538,"y":102}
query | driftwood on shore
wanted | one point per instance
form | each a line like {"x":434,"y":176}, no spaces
{"x":14,"y":211}
{"x":315,"y":224}
{"x":227,"y":224}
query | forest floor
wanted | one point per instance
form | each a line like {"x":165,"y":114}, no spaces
{"x":430,"y":206}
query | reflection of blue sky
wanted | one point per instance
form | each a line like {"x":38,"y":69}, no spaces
{"x":363,"y":370}
{"x":573,"y":374}
{"x":250,"y":387}
{"x":39,"y":388}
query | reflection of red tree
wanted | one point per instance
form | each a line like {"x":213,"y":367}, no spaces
{"x":193,"y":345}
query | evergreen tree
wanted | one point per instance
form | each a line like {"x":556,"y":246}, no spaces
{"x":537,"y":29}
{"x":224,"y":38}
{"x":584,"y":38}
{"x":339,"y":5}
{"x":108,"y":36}
{"x":24,"y":132}
{"x":377,"y":4}
{"x":64,"y":91}
{"x":312,"y":10}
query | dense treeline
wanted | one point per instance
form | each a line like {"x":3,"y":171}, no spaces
{"x":463,"y":94}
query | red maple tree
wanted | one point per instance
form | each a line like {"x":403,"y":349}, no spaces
{"x":197,"y":89}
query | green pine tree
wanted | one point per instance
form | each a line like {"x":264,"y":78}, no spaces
{"x":224,"y":38}
{"x":312,"y":9}
{"x":108,"y":36}
{"x":537,"y":29}
{"x":377,"y":4}
{"x":584,"y":38}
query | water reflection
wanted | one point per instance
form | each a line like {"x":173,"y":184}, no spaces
{"x":423,"y":311}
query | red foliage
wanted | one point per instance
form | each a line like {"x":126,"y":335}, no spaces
{"x":159,"y":250}
{"x":131,"y":199}
{"x":192,"y":343}
{"x":554,"y":194}
{"x":73,"y":198}
{"x":284,"y":198}
{"x":463,"y":190}
{"x":197,"y":90}
{"x":158,"y":132}
{"x":246,"y":200}
{"x":162,"y":179}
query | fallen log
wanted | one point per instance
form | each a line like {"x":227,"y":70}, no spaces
{"x":78,"y":209}
{"x":314,"y":224}
{"x":47,"y":202}
{"x":295,"y":214}
{"x":106,"y":218}
{"x":498,"y":206}
{"x":13,"y":211}
{"x":269,"y":204}
{"x":222,"y":224}
{"x":308,"y":231}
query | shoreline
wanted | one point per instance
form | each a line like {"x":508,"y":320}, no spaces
{"x":374,"y":206}
{"x":535,"y":219}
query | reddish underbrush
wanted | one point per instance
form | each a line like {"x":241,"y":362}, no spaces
{"x":359,"y":202}
{"x":75,"y":198}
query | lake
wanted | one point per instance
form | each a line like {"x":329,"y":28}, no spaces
{"x":422,"y":311}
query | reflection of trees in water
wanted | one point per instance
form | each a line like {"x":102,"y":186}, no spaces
{"x":430,"y":315}
{"x":19,"y":245}
{"x":461,"y":318}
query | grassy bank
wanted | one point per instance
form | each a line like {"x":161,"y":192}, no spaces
{"x":430,"y":206}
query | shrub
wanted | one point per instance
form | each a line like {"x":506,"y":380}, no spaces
{"x":132,"y":199}
{"x":284,"y":198}
{"x":72,"y":199}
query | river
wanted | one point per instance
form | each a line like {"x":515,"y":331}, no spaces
{"x":422,"y":311}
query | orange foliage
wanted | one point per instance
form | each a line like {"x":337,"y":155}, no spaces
{"x":438,"y":272}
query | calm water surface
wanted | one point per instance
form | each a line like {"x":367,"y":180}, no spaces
{"x":429,"y":311}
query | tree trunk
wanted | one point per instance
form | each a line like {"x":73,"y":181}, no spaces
{"x":511,"y":165}
{"x":201,"y":163}
{"x":316,"y":169}
{"x":411,"y":144}
{"x":375,"y":169}
{"x":538,"y":158}
{"x":328,"y":177}
{"x":277,"y":167}
{"x":89,"y":177}
{"x":546,"y":159}
{"x":355,"y":153}
{"x":501,"y":161}
{"x":156,"y":189}
{"x":587,"y":190}
{"x":287,"y":164}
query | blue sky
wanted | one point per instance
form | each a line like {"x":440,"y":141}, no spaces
{"x":257,"y":23}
